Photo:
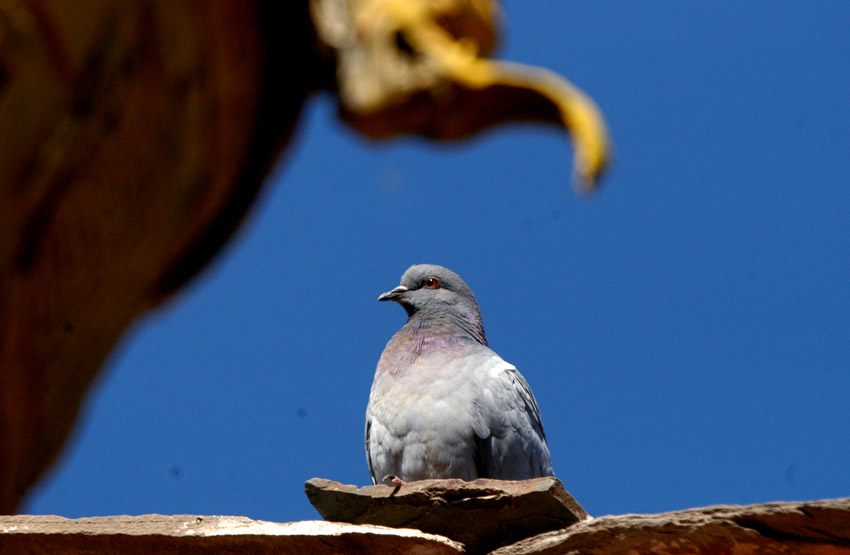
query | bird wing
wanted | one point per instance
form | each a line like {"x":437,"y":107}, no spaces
{"x":368,"y":453}
{"x":510,"y":441}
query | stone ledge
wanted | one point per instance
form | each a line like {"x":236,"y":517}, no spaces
{"x":812,"y":527}
{"x":482,"y":514}
{"x":188,"y":534}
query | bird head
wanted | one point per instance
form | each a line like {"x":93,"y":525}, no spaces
{"x":437,"y":291}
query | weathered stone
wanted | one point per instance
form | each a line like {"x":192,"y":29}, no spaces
{"x":187,"y":534}
{"x":483,"y":514}
{"x":815,"y":527}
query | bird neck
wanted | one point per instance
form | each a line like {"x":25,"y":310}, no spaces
{"x":433,"y":324}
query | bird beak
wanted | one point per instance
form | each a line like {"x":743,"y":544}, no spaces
{"x":394,"y":295}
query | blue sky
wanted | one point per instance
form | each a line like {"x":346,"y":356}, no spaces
{"x":686,"y":331}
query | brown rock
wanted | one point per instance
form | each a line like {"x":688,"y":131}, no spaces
{"x":815,"y":527}
{"x":483,"y":514}
{"x":187,"y":534}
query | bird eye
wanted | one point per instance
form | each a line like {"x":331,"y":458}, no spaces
{"x":432,"y":283}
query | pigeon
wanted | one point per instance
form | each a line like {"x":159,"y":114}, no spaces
{"x":442,"y":404}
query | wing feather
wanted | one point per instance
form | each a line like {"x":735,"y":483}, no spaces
{"x":513,"y":446}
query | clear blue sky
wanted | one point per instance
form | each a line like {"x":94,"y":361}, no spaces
{"x":686,"y":331}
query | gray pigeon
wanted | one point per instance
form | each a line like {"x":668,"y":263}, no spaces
{"x":443,"y":405}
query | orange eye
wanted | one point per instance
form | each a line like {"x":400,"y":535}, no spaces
{"x":432,"y":283}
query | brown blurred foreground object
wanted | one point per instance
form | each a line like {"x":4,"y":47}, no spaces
{"x":419,"y":66}
{"x":135,"y":135}
{"x":816,"y":527}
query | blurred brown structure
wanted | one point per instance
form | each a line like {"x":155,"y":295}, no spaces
{"x":135,"y":135}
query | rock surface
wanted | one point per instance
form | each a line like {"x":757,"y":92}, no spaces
{"x":187,"y":534}
{"x":815,"y":527}
{"x":483,"y":514}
